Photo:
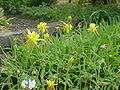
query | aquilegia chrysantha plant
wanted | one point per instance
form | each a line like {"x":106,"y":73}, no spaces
{"x":50,"y":84}
{"x":42,"y":26}
{"x":46,"y":36}
{"x":69,"y":19}
{"x":92,"y":27}
{"x":67,"y":27}
{"x":33,"y":37}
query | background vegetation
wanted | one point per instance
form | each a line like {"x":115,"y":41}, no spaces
{"x":62,"y":11}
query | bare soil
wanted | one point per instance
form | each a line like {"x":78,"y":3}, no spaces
{"x":20,"y":25}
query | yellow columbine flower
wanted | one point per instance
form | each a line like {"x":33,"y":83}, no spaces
{"x":50,"y":84}
{"x":69,"y":19}
{"x":92,"y":27}
{"x":46,"y":36}
{"x":42,"y":26}
{"x":33,"y":37}
{"x":67,"y":27}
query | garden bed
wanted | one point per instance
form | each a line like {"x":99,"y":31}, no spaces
{"x":84,"y":55}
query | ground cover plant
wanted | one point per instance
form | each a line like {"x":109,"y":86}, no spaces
{"x":84,"y":55}
{"x":80,"y":58}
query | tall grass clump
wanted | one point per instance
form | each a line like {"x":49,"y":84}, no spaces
{"x":84,"y":58}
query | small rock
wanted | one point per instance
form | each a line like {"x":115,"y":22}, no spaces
{"x":7,"y":37}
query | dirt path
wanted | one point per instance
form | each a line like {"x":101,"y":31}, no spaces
{"x":20,"y":25}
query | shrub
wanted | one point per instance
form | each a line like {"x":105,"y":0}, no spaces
{"x":13,"y":6}
{"x":39,"y":2}
{"x":89,"y":12}
{"x":109,"y":13}
{"x":103,"y":1}
{"x":41,"y":12}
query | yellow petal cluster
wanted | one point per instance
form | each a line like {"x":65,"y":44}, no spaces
{"x":33,"y":37}
{"x":69,"y":19}
{"x":92,"y":27}
{"x":51,"y":84}
{"x":46,"y":36}
{"x":67,"y":27}
{"x":42,"y":26}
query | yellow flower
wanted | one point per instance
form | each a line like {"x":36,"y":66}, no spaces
{"x":46,"y":36}
{"x":33,"y":37}
{"x":51,"y":84}
{"x":79,"y":25}
{"x":42,"y":26}
{"x":92,"y":27}
{"x":67,"y":27}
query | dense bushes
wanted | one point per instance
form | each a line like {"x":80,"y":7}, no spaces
{"x":94,"y":13}
{"x":103,"y":1}
{"x":13,"y":6}
{"x":41,"y":12}
{"x":39,"y":2}
{"x":110,"y":13}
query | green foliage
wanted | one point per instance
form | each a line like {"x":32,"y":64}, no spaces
{"x":1,"y":12}
{"x":41,"y":12}
{"x":102,"y":2}
{"x":94,"y":13}
{"x":13,"y":6}
{"x":109,"y":13}
{"x":3,"y":20}
{"x":39,"y":2}
{"x":74,"y":60}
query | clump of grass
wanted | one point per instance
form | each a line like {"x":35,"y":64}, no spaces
{"x":80,"y":59}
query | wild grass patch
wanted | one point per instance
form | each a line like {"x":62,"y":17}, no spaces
{"x":80,"y":59}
